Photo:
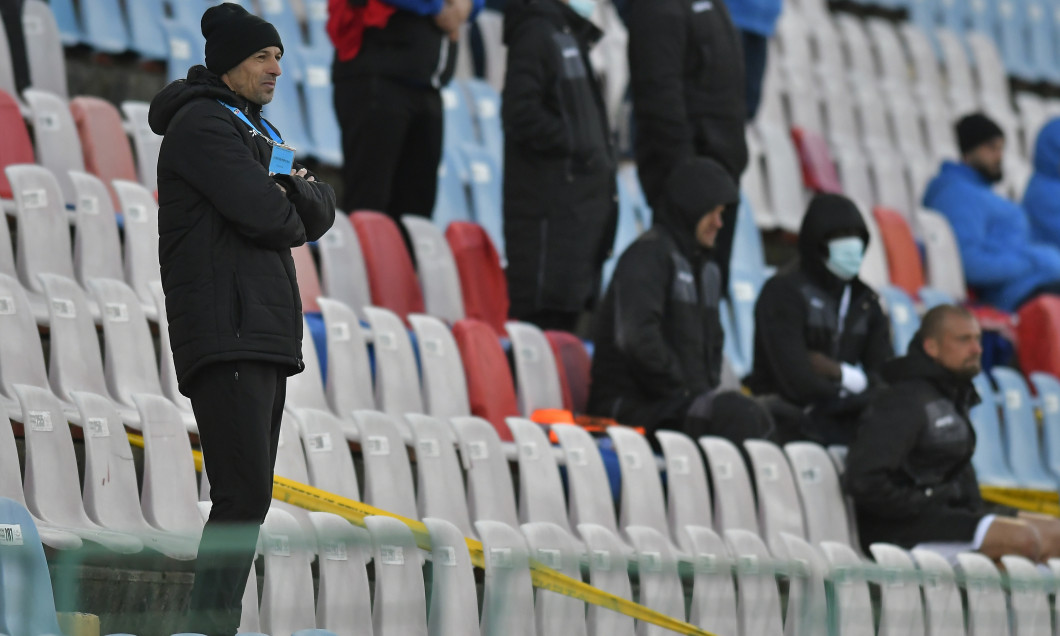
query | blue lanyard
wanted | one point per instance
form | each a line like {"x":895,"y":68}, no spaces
{"x":238,"y":113}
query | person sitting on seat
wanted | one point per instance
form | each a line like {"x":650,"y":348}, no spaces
{"x":658,"y":332}
{"x":1003,"y":261}
{"x":820,"y":334}
{"x":1042,"y":198}
{"x":910,"y":469}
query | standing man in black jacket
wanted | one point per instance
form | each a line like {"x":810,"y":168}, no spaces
{"x":560,"y":202}
{"x":820,"y":334}
{"x":658,"y":332}
{"x":686,"y":69}
{"x":910,"y":469}
{"x":231,"y":207}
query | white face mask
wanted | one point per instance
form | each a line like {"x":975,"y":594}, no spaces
{"x":845,"y":256}
{"x":584,"y":8}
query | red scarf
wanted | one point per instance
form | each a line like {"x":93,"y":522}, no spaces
{"x":346,"y":24}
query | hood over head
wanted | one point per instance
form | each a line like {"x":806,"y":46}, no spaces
{"x":828,"y":216}
{"x":1047,"y":150}
{"x":557,"y":12}
{"x":201,"y":82}
{"x":694,"y":187}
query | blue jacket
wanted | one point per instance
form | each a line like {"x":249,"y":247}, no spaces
{"x":1001,"y":261}
{"x":1042,"y":198}
{"x":756,"y":16}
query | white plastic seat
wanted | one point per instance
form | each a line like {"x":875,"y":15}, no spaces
{"x":21,"y":356}
{"x":890,"y":55}
{"x":169,"y":499}
{"x":536,"y":374}
{"x":888,"y":174}
{"x":344,"y":596}
{"x":305,"y":390}
{"x":43,"y":238}
{"x":454,"y":597}
{"x":287,"y":594}
{"x":958,"y":71}
{"x":945,"y":270}
{"x":387,"y":473}
{"x":439,"y":279}
{"x":344,"y":277}
{"x":713,"y":604}
{"x":838,"y":454}
{"x":397,"y":379}
{"x":44,"y":51}
{"x":758,"y":604}
{"x":76,"y":363}
{"x":807,"y":611}
{"x":902,"y":610}
{"x":853,"y":602}
{"x":660,"y":585}
{"x":938,"y":126}
{"x":540,"y":487}
{"x":444,"y":382}
{"x":490,"y":494}
{"x":400,"y":605}
{"x":440,"y":488}
{"x":140,"y":220}
{"x":553,"y":547}
{"x":328,"y":457}
{"x":734,"y":503}
{"x":588,"y":491}
{"x":57,"y":143}
{"x":943,"y":614}
{"x":97,"y":249}
{"x":988,"y":68}
{"x":927,"y":76}
{"x":642,"y":500}
{"x":146,"y":143}
{"x":508,"y":602}
{"x":779,"y":510}
{"x":291,"y":463}
{"x":820,"y":493}
{"x":167,"y":371}
{"x":783,"y":176}
{"x":607,"y":572}
{"x":1028,"y":597}
{"x":987,"y":608}
{"x":349,"y":377}
{"x":753,"y":182}
{"x":688,"y":498}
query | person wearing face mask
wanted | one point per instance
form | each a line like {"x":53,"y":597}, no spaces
{"x":910,"y":469}
{"x":658,"y":334}
{"x":560,"y":199}
{"x":1003,"y":260}
{"x":820,"y":334}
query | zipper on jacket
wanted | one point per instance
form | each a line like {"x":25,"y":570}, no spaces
{"x":443,"y":61}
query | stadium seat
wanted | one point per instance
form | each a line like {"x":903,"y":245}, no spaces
{"x":574,"y":365}
{"x":328,"y":459}
{"x":320,"y":106}
{"x":55,"y":134}
{"x":713,"y":605}
{"x":65,"y":14}
{"x":660,"y":586}
{"x":482,"y":281}
{"x":97,"y":248}
{"x":451,"y":202}
{"x":779,"y":510}
{"x":308,"y":279}
{"x":960,"y":82}
{"x":589,"y":498}
{"x":642,"y":500}
{"x":631,"y":222}
{"x":1028,"y":596}
{"x":44,"y":51}
{"x":818,"y":169}
{"x":553,"y":547}
{"x":168,"y":495}
{"x":991,"y":465}
{"x":853,"y":602}
{"x":387,"y":473}
{"x":145,"y":29}
{"x":454,"y":597}
{"x":104,"y":26}
{"x":316,"y":17}
{"x":820,"y":493}
{"x":737,"y":317}
{"x":486,"y":107}
{"x":1021,"y":431}
{"x":444,"y":382}
{"x":901,"y":608}
{"x":759,"y":600}
{"x":167,"y":372}
{"x":890,"y":56}
{"x":892,"y":190}
{"x":439,"y":279}
{"x":1039,"y":325}
{"x":75,"y":362}
{"x":1013,"y":41}
{"x":397,"y":380}
{"x":291,"y":463}
{"x":43,"y":237}
{"x":186,"y":46}
{"x":490,"y":388}
{"x":807,"y":597}
{"x":287,"y":113}
{"x":344,"y":276}
{"x":734,"y":502}
{"x":923,"y":52}
{"x":943,"y":614}
{"x":440,"y":488}
{"x":508,"y":599}
{"x":390,"y":272}
{"x":852,"y":166}
{"x":349,"y":378}
{"x":753,"y":183}
{"x":688,"y":496}
{"x":901,"y":310}
{"x":1047,"y":389}
{"x":490,"y":494}
{"x":16,"y":148}
{"x":607,"y":572}
{"x":21,"y":356}
{"x":459,"y":124}
{"x":989,"y":67}
{"x":944,"y":269}
{"x":7,"y":70}
{"x":344,"y":595}
{"x":838,"y":454}
{"x":536,"y":373}
{"x":987,"y":610}
{"x":490,"y":23}
{"x":140,"y":223}
{"x":27,"y":603}
{"x":287,"y":604}
{"x":145,"y":142}
{"x":540,"y":488}
{"x":484,"y":184}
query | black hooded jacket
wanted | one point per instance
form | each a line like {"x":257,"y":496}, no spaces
{"x":909,"y":470}
{"x":560,"y":202}
{"x":226,"y":230}
{"x":658,"y":333}
{"x":798,"y":312}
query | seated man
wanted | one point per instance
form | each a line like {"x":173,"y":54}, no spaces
{"x":909,"y":470}
{"x":1042,"y":198}
{"x":1002,"y":261}
{"x":820,"y":334}
{"x":658,"y":332}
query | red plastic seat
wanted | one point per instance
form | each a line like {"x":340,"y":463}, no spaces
{"x":16,"y":146}
{"x":386,"y":258}
{"x":482,"y":280}
{"x":818,"y":169}
{"x":104,"y":144}
{"x":575,"y":369}
{"x":308,"y":278}
{"x":490,"y":387}
{"x":904,"y":266}
{"x":1038,"y":331}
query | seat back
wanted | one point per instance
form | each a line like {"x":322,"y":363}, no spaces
{"x":540,"y":487}
{"x":508,"y":602}
{"x":454,"y":597}
{"x":688,"y":497}
{"x":390,"y":274}
{"x":1021,"y":431}
{"x":43,"y":238}
{"x":589,"y":497}
{"x":901,"y":608}
{"x":818,"y":168}
{"x":553,"y":547}
{"x":987,"y":608}
{"x":838,"y":454}
{"x":106,"y":148}
{"x":537,"y":376}
{"x":482,"y":281}
{"x":328,"y":457}
{"x":169,"y":498}
{"x":145,"y":29}
{"x":140,"y":215}
{"x":902,"y":313}
{"x":759,"y":602}
{"x":21,"y":356}
{"x":783,"y":176}
{"x":17,"y":147}
{"x":439,"y":280}
{"x":129,"y":361}
{"x":713,"y":604}
{"x":440,"y":489}
{"x":486,"y":107}
{"x":7,"y":72}
{"x":943,"y":615}
{"x":344,"y":275}
{"x":484,"y":184}
{"x":1039,"y":322}
{"x":989,"y":460}
{"x":349,"y":377}
{"x":306,"y":389}
{"x":807,"y":611}
{"x":660,"y":585}
{"x":186,"y":45}
{"x":734,"y":503}
{"x":903,"y":257}
{"x":607,"y":572}
{"x":490,"y":494}
{"x":779,"y":510}
{"x":1047,"y":388}
{"x":853,"y":602}
{"x":167,"y":372}
{"x":490,"y":389}
{"x":642,"y":503}
{"x":287,"y":595}
{"x":1028,"y":596}
{"x":44,"y":50}
{"x":744,"y":288}
{"x":97,"y":249}
{"x":55,"y":135}
{"x":820,"y":493}
{"x":344,"y":595}
{"x":26,"y":595}
{"x":397,"y":379}
{"x":451,"y":203}
{"x":308,"y":280}
{"x":320,"y":105}
{"x":575,"y":366}
{"x":958,"y":70}
{"x":76,"y":363}
{"x":444,"y":382}
{"x":459,"y":125}
{"x":387,"y":472}
{"x":145,"y":142}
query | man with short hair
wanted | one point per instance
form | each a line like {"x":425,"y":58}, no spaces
{"x":232,"y":204}
{"x":910,"y":469}
{"x":1003,"y":261}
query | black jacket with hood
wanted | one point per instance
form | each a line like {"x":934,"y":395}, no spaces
{"x":560,"y":200}
{"x":687,"y":77}
{"x":658,"y":333}
{"x":798,"y":312}
{"x":909,"y":470}
{"x":226,"y":230}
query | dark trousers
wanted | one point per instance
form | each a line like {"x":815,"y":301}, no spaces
{"x":238,"y":406}
{"x":755,"y":52}
{"x":392,"y":145}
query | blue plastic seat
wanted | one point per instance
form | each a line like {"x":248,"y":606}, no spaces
{"x":459,"y":125}
{"x":323,"y":124}
{"x":145,"y":29}
{"x":904,"y":320}
{"x":1042,"y":34}
{"x":738,"y":318}
{"x":316,"y":14}
{"x":486,"y":107}
{"x":281,"y":14}
{"x":953,"y":14}
{"x":66,"y":19}
{"x":1048,"y":389}
{"x":932,"y":297}
{"x":991,"y":467}
{"x":27,"y":604}
{"x":186,"y":48}
{"x":285,"y":111}
{"x":1012,"y":39}
{"x":451,"y":202}
{"x":1021,"y":431}
{"x":104,"y":25}
{"x":631,"y":223}
{"x":747,"y":251}
{"x":925,"y":14}
{"x":982,"y":16}
{"x":484,"y":181}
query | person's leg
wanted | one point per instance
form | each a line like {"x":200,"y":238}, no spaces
{"x":552,"y":319}
{"x":755,"y":52}
{"x":728,"y":414}
{"x":1048,"y":532}
{"x":1011,"y":536}
{"x":234,"y":405}
{"x":415,"y":187}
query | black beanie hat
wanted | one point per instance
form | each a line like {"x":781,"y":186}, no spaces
{"x":696,"y":186}
{"x":232,"y":35}
{"x":975,"y":130}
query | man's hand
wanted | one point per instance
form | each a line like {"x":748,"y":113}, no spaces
{"x":452,"y":16}
{"x":302,"y":173}
{"x":825,"y":367}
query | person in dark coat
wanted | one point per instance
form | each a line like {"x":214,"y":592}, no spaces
{"x":820,"y":334}
{"x":910,"y":468}
{"x":658,"y":334}
{"x":226,"y":227}
{"x":687,"y":78}
{"x":560,"y":200}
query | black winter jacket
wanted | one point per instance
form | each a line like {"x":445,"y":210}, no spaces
{"x":226,"y":231}
{"x":687,"y":76}
{"x":560,"y":201}
{"x":909,"y":469}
